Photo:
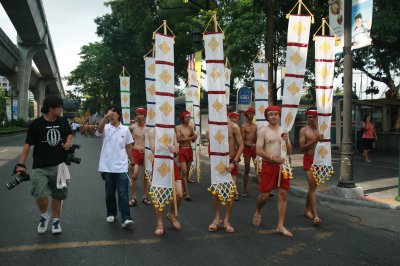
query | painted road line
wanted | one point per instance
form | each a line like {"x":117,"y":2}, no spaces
{"x":4,"y":150}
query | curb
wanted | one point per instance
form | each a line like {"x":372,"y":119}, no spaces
{"x":299,"y":191}
{"x":13,"y":134}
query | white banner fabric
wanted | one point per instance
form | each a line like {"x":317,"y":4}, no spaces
{"x":260,"y":92}
{"x":150,"y":70}
{"x":124,"y":83}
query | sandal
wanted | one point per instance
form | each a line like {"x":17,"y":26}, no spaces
{"x":146,"y":201}
{"x":214,"y":226}
{"x":186,"y":196}
{"x":191,"y":181}
{"x":174,"y":222}
{"x":132,"y":202}
{"x":236,"y":197}
{"x":245,"y":194}
{"x":229,"y":229}
{"x":159,"y":230}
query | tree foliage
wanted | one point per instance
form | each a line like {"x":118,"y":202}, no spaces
{"x":127,"y":35}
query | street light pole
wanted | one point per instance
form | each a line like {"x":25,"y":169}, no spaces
{"x":346,"y":164}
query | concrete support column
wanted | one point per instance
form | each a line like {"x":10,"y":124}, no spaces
{"x":41,"y":94}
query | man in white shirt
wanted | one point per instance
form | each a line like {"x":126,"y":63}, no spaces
{"x":113,"y":164}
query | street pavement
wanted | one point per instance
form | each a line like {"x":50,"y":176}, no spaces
{"x":349,"y":235}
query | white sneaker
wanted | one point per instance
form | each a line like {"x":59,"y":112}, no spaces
{"x":111,"y":219}
{"x":56,"y":228}
{"x":43,"y":223}
{"x":127,"y":223}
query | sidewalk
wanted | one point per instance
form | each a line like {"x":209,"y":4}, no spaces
{"x":379,"y":180}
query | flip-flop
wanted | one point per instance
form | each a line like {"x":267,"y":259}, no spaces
{"x":174,"y":222}
{"x":132,"y":202}
{"x":236,"y":197}
{"x":257,"y":219}
{"x":146,"y":201}
{"x":245,"y":195}
{"x":213,"y":227}
{"x":187,"y":197}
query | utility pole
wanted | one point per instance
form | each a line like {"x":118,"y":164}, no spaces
{"x":346,"y":160}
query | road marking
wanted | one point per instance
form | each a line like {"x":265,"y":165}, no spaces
{"x":102,"y":243}
{"x":4,"y":150}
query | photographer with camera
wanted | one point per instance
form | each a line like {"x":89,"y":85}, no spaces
{"x":114,"y":165}
{"x":51,"y":137}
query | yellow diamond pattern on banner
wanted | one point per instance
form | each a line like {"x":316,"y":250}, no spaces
{"x":164,"y":47}
{"x":150,"y":157}
{"x":221,"y":168}
{"x":166,"y":108}
{"x":219,"y":137}
{"x":261,"y":109}
{"x":151,"y":114}
{"x":189,"y":94}
{"x":324,"y":99}
{"x":165,"y":76}
{"x":125,"y":99}
{"x":299,"y":28}
{"x":165,"y":140}
{"x":260,"y":71}
{"x":215,"y":74}
{"x":194,"y":77}
{"x":213,"y":44}
{"x":124,"y":83}
{"x":323,"y":127}
{"x":226,"y":76}
{"x":163,"y":169}
{"x":126,"y":116}
{"x":151,"y":89}
{"x":261,"y":89}
{"x":190,"y":109}
{"x":217,"y":105}
{"x":152,"y":69}
{"x":324,"y":72}
{"x":323,"y":152}
{"x":198,"y":115}
{"x":289,"y":119}
{"x":325,"y":47}
{"x":296,"y":58}
{"x":293,"y":89}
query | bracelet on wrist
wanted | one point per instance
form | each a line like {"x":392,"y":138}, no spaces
{"x":234,"y":162}
{"x":21,"y":165}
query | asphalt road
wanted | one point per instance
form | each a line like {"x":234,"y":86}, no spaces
{"x":349,"y":235}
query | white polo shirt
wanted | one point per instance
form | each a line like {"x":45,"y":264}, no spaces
{"x":113,"y":157}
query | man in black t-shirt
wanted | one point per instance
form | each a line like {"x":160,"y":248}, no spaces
{"x":51,"y":137}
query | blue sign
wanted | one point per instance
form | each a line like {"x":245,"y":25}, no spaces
{"x":244,"y":96}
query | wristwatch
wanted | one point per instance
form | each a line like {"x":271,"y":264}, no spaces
{"x":234,"y":162}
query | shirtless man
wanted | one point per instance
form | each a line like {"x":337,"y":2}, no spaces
{"x":178,"y":190}
{"x":249,"y":134}
{"x":268,"y":147}
{"x":185,"y":134}
{"x":235,"y":150}
{"x":234,"y":117}
{"x":138,"y":131}
{"x":308,"y":139}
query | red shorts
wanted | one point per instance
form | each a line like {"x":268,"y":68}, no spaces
{"x":176,"y":171}
{"x":235,"y":170}
{"x":185,"y":154}
{"x":138,"y":157}
{"x":249,"y":152}
{"x":307,"y":162}
{"x":269,"y":178}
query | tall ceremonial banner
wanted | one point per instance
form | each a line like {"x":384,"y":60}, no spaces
{"x":150,"y":70}
{"x":227,"y":83}
{"x":194,"y":91}
{"x":296,"y":56}
{"x":324,"y":74}
{"x":124,"y":84}
{"x":221,"y":181}
{"x":196,"y":104}
{"x":162,"y":183}
{"x":260,"y":92}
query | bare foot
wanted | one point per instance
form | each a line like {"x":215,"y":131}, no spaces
{"x":308,"y":215}
{"x":174,"y":222}
{"x":284,"y":232}
{"x":159,"y":230}
{"x":257,"y":219}
{"x":317,"y":221}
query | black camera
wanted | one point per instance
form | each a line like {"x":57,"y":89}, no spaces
{"x":70,"y":158}
{"x":21,"y":177}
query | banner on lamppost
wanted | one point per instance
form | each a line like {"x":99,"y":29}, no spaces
{"x":124,"y":81}
{"x":243,"y":98}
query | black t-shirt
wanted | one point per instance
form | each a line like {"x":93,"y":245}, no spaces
{"x":47,"y":138}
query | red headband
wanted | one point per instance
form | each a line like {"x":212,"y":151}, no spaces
{"x":312,"y":112}
{"x":234,"y":114}
{"x":141,"y":110}
{"x":184,"y":114}
{"x":249,"y":110}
